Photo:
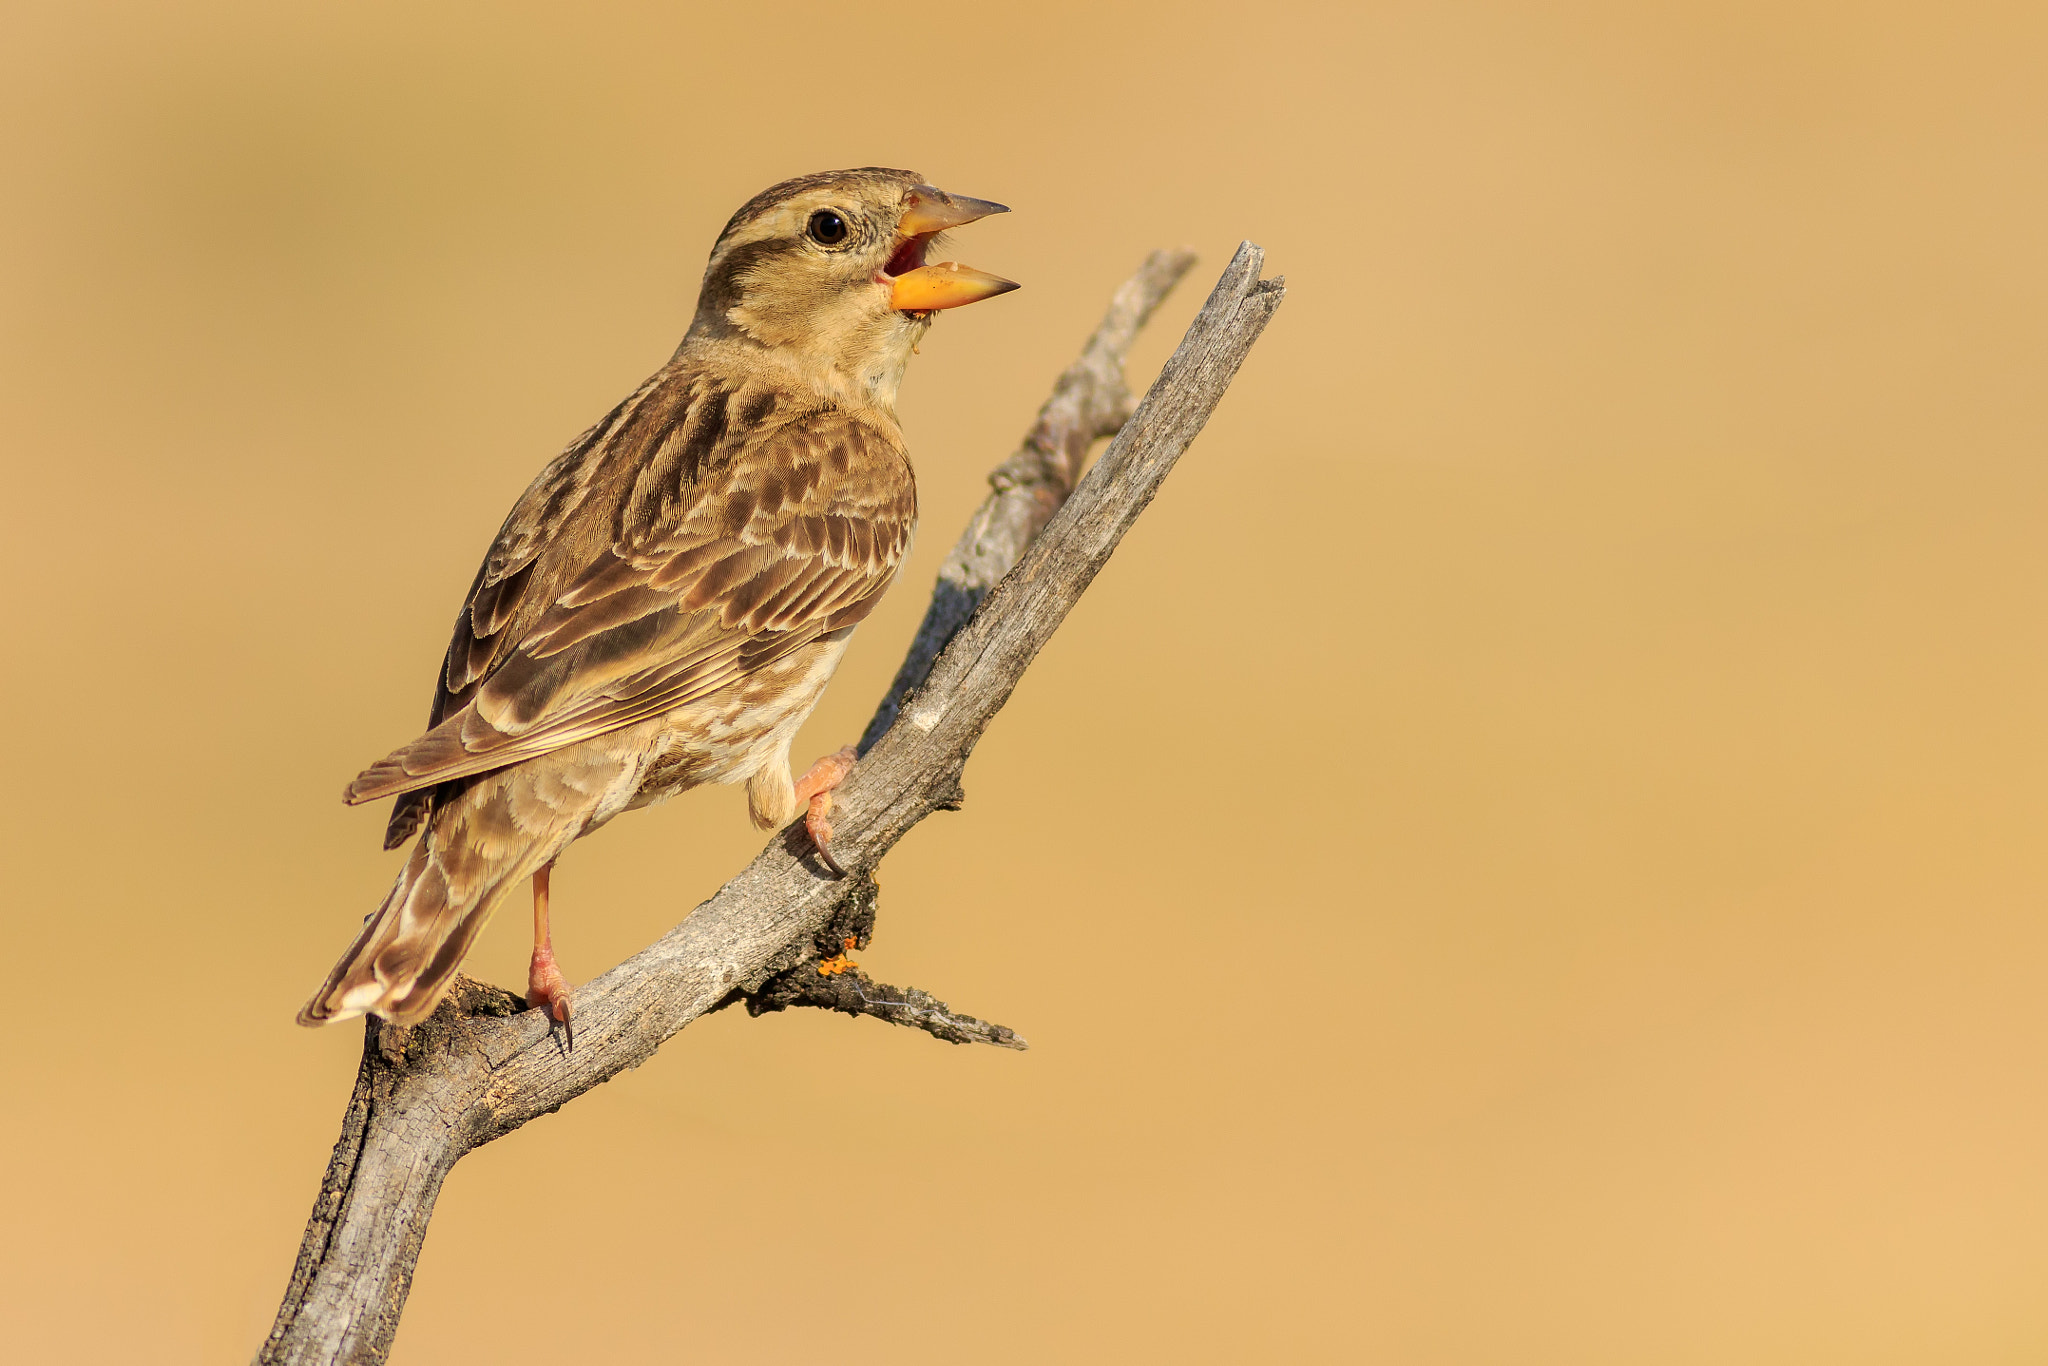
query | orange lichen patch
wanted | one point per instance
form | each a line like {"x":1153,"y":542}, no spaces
{"x":838,"y":962}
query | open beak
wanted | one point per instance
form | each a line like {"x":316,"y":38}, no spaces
{"x":915,"y":287}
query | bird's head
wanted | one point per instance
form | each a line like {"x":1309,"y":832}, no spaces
{"x":826,"y":274}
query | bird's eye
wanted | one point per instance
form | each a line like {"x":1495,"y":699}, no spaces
{"x":828,"y":227}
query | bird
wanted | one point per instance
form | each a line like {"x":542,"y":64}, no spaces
{"x":666,"y":602}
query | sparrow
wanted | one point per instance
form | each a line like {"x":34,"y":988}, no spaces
{"x":666,"y":602}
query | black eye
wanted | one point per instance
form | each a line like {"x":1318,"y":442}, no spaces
{"x":828,"y":227}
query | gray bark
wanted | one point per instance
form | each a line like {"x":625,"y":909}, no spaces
{"x":482,"y":1065}
{"x":1089,"y":401}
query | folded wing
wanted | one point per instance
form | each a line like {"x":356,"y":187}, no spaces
{"x":700,"y":532}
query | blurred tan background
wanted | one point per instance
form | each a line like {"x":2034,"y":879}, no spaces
{"x":1532,"y":851}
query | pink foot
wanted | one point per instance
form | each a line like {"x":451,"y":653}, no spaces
{"x":546,"y":988}
{"x":814,"y":789}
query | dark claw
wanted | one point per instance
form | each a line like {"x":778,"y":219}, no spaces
{"x":565,"y":1020}
{"x":566,"y":1024}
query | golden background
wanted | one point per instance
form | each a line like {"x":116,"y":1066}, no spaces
{"x":1531,"y":851}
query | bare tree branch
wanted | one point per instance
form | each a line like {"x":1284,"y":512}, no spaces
{"x":856,"y":993}
{"x":481,"y":1066}
{"x":829,"y":980}
{"x":1089,"y":401}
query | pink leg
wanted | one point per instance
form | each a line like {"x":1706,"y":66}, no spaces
{"x":545,"y":987}
{"x":815,"y":790}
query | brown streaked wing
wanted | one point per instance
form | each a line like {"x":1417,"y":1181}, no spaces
{"x":505,"y":597}
{"x":720,"y":561}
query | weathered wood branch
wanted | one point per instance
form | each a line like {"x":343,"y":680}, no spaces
{"x":840,"y":985}
{"x":481,"y":1066}
{"x":1088,"y":402}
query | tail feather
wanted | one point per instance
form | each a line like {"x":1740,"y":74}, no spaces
{"x":480,"y":845}
{"x":407,"y":953}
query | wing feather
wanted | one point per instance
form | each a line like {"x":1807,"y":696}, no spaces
{"x":664,"y":556}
